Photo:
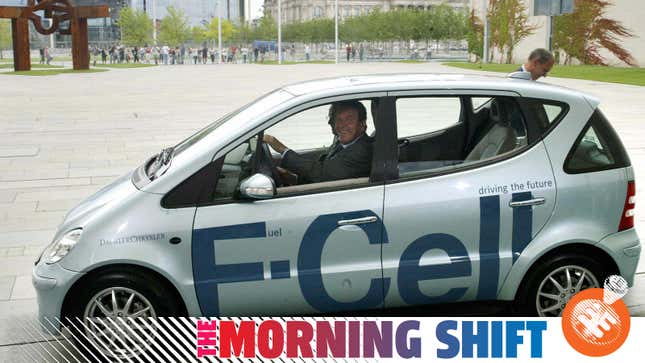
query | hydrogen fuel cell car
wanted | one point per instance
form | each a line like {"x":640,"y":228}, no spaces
{"x":479,"y":188}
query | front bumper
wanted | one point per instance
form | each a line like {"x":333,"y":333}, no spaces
{"x":52,"y":282}
{"x":625,"y":248}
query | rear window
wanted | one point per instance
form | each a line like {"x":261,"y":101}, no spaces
{"x":543,"y":115}
{"x":597,"y":148}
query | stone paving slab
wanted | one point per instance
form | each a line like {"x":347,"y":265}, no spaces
{"x":23,"y":289}
{"x":6,"y":286}
{"x":45,"y":183}
{"x":25,"y":238}
{"x":7,"y":196}
{"x":18,"y":265}
{"x":18,"y":151}
{"x":57,"y":205}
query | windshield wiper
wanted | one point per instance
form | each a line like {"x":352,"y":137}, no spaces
{"x":160,"y":163}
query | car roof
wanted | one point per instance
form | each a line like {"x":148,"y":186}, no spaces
{"x":396,"y":82}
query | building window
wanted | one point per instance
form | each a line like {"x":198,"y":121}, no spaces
{"x":317,"y":12}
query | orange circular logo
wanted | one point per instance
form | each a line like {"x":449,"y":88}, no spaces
{"x":595,"y":323}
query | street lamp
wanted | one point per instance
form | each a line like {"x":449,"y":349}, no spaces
{"x":154,"y":21}
{"x":219,"y":31}
{"x":336,"y":28}
{"x":486,"y":30}
{"x":279,"y":32}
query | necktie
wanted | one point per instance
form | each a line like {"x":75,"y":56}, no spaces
{"x":334,"y":150}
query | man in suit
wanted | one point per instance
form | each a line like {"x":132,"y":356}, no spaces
{"x":350,"y":156}
{"x":539,"y":63}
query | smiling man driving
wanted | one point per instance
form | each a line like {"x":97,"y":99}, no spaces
{"x":350,"y":156}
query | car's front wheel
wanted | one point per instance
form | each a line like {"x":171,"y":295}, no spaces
{"x":104,"y":312}
{"x":549,"y":286}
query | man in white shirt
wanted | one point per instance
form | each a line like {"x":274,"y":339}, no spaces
{"x":539,"y":63}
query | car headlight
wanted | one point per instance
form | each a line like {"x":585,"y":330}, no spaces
{"x":62,"y":246}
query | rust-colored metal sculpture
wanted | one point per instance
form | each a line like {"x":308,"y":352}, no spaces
{"x":72,"y":12}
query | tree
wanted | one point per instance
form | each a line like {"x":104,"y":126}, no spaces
{"x":518,"y":26}
{"x":475,"y":36}
{"x":5,"y":35}
{"x":267,"y":29}
{"x":136,"y":27}
{"x":198,"y":34}
{"x":212,"y":30}
{"x":508,"y":24}
{"x":242,"y":33}
{"x":583,"y":33}
{"x":174,"y":29}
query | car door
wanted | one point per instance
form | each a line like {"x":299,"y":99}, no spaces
{"x":310,"y":249}
{"x":455,"y":230}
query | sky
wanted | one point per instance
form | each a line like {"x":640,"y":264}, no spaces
{"x":256,"y":8}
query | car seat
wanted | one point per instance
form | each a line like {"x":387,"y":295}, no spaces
{"x":500,"y":138}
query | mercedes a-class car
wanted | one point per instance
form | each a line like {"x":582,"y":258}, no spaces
{"x":466,"y":188}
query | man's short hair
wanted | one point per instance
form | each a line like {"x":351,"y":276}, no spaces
{"x":541,"y":55}
{"x":342,"y":105}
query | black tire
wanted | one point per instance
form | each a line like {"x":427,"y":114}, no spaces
{"x":581,"y":267}
{"x":124,"y":281}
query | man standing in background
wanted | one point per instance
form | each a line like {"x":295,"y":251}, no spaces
{"x":539,"y":63}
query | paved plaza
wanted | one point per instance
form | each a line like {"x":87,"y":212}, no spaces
{"x":63,"y":137}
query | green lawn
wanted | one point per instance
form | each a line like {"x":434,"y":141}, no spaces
{"x":125,"y":65}
{"x":634,"y":76}
{"x":35,"y":60}
{"x":52,"y":72}
{"x":410,"y":61}
{"x":275,"y":62}
{"x":10,"y":65}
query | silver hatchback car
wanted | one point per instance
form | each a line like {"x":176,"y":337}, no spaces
{"x":473,"y":188}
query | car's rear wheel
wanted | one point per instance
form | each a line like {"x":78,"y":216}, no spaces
{"x":548,"y":287}
{"x":104,"y":312}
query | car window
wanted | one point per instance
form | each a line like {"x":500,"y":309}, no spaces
{"x":479,"y":102}
{"x":543,"y":115}
{"x":444,"y":144}
{"x":597,"y":148}
{"x":552,"y":111}
{"x":314,"y":155}
{"x":421,"y":115}
{"x":236,"y":167}
{"x":309,"y":129}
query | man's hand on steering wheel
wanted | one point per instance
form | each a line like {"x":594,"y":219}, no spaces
{"x":266,"y":157}
{"x":274,"y":143}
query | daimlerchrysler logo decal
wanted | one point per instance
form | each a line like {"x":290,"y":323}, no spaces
{"x":131,"y":239}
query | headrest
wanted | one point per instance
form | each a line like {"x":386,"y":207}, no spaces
{"x":499,"y":111}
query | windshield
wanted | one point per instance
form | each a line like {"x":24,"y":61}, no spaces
{"x":246,"y":112}
{"x":160,"y":163}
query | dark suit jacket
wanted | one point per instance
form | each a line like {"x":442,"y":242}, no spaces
{"x":354,"y":161}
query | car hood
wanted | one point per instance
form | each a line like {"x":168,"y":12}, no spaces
{"x":115,"y":191}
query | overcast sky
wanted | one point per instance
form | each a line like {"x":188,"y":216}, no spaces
{"x":256,"y":8}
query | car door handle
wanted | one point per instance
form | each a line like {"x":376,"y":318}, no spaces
{"x":527,"y":203}
{"x":364,"y":220}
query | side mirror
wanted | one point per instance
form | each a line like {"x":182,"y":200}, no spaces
{"x":257,"y":186}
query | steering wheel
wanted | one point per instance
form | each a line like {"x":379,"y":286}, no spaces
{"x":265,"y":164}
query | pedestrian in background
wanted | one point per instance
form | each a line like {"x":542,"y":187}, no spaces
{"x":48,"y":56}
{"x":539,"y":63}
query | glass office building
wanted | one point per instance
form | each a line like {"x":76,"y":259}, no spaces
{"x":104,"y":32}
